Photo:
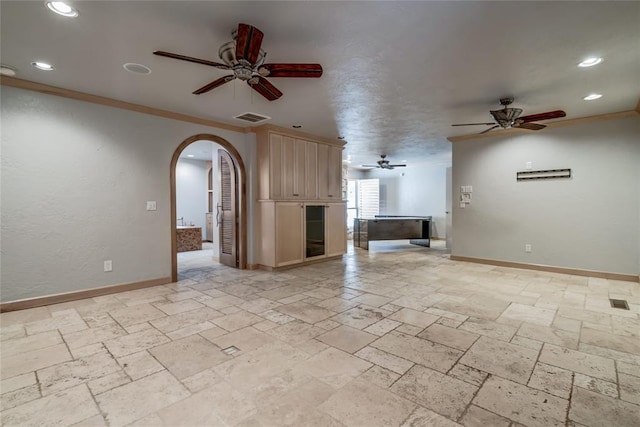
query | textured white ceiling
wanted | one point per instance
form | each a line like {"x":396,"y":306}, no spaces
{"x":396,"y":74}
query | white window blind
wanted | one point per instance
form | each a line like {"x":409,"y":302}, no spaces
{"x":368,"y":198}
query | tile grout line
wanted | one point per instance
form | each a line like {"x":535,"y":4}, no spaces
{"x":535,"y":364}
{"x":466,"y":409}
{"x":573,"y":379}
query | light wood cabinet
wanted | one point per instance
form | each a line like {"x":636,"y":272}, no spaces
{"x":292,"y":168}
{"x":291,"y":162}
{"x":336,"y":226}
{"x":329,"y":172}
{"x":302,"y":216}
{"x":311,"y":170}
{"x":295,"y":237}
{"x":281,"y":240}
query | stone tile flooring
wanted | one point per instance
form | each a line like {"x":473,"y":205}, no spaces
{"x":400,"y":337}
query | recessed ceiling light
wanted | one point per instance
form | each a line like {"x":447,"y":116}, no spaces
{"x":42,"y":66}
{"x":190,"y":155}
{"x":404,"y":161}
{"x":590,"y":62}
{"x":61,"y":8}
{"x":136,"y":68}
{"x":5,"y":70}
{"x":592,"y":96}
{"x":296,"y":126}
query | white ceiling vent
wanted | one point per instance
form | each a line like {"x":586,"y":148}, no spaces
{"x":252,"y":117}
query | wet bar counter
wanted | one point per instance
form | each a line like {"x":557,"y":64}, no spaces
{"x":415,"y":228}
{"x":189,"y":238}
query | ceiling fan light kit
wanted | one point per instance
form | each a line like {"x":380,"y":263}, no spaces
{"x":509,"y":117}
{"x":245,"y":58}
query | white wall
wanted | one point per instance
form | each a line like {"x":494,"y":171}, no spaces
{"x":191,"y":192}
{"x":414,"y":190}
{"x":75,"y":181}
{"x":587,"y":222}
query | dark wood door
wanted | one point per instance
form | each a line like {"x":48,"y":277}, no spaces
{"x":227,"y":210}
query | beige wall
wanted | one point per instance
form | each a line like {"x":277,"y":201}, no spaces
{"x":75,"y":181}
{"x":590,"y":221}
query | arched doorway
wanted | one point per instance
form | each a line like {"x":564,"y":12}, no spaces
{"x":241,"y":213}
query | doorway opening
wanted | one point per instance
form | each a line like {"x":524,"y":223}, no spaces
{"x":222,"y":217}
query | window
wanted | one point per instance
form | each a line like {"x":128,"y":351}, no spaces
{"x":363,"y":200}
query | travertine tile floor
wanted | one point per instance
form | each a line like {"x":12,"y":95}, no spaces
{"x":380,"y":338}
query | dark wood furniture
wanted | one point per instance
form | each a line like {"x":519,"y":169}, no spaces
{"x":390,"y":227}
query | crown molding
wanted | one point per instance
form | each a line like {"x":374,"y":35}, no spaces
{"x":557,"y":124}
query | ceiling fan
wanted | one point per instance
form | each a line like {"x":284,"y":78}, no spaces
{"x":510,"y":118}
{"x":245,"y":58}
{"x":383,"y":163}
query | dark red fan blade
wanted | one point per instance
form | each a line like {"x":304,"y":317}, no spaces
{"x":530,"y":126}
{"x":397,"y":166}
{"x":191,"y":59}
{"x":474,"y":124}
{"x":487,"y":130}
{"x":290,"y":70}
{"x":543,"y":116}
{"x":264,"y":88}
{"x":248,"y":43}
{"x":214,"y":84}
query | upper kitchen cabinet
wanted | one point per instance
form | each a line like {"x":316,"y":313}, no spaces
{"x":294,"y":166}
{"x":329,"y":172}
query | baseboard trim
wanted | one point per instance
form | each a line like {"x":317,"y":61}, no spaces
{"x":78,"y":295}
{"x":549,"y":268}
{"x":253,"y":266}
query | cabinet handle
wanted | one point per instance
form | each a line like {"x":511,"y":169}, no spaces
{"x":296,"y":194}
{"x":330,"y":195}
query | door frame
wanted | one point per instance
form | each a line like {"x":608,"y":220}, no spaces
{"x":241,"y":234}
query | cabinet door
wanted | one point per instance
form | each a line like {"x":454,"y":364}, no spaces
{"x":311,"y":171}
{"x":329,"y":172}
{"x":323,"y":171}
{"x":299,"y":169}
{"x":335,"y":173}
{"x":289,"y":237}
{"x":287,"y":167}
{"x":336,"y":219}
{"x":275,"y":166}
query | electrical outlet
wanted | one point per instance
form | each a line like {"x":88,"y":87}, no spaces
{"x":527,"y":166}
{"x":527,"y":248}
{"x":108,"y":265}
{"x":151,"y":205}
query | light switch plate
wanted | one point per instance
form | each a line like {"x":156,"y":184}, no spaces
{"x":108,"y":265}
{"x":151,"y":205}
{"x":528,"y":166}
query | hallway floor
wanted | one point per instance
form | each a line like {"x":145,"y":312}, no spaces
{"x":399,"y":335}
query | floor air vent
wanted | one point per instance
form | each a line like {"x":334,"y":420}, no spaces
{"x":252,"y":117}
{"x":230,"y":350}
{"x":619,"y":303}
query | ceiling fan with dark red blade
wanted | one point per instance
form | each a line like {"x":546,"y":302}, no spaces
{"x":243,"y":55}
{"x":508,"y":117}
